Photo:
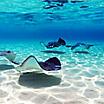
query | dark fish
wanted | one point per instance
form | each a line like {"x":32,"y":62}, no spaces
{"x":84,"y":6}
{"x":82,"y":52}
{"x":68,"y":46}
{"x":77,"y":1}
{"x":52,"y":64}
{"x":55,"y":52}
{"x":60,"y":4}
{"x":60,"y":1}
{"x":48,"y":1}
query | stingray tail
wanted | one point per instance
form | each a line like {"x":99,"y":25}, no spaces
{"x":43,"y":44}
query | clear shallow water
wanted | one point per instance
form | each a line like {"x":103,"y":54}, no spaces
{"x":82,"y":76}
{"x":84,"y":64}
{"x":24,"y":23}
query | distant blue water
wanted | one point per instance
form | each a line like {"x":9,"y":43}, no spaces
{"x":52,"y":31}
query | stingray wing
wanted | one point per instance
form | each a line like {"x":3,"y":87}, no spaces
{"x":61,"y":41}
{"x":51,"y":64}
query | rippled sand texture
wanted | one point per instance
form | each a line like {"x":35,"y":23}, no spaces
{"x":81,"y":80}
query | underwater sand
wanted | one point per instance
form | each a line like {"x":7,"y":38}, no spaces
{"x":81,"y":80}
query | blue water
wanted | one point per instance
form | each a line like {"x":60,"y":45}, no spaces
{"x":26,"y":20}
{"x":24,"y":24}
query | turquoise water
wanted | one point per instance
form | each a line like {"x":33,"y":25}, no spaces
{"x":24,"y":24}
{"x":92,"y":62}
{"x":29,"y":20}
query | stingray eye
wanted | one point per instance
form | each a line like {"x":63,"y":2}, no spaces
{"x":8,"y":51}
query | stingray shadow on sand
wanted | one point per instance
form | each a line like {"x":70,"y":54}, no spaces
{"x":6,"y":67}
{"x":38,"y":80}
{"x":53,"y":51}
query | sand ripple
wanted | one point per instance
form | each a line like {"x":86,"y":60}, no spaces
{"x":81,"y":81}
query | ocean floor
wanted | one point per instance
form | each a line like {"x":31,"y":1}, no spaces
{"x":80,"y":81}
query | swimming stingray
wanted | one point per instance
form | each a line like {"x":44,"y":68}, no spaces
{"x":86,"y":46}
{"x":52,"y":64}
{"x":58,"y":43}
{"x":8,"y":54}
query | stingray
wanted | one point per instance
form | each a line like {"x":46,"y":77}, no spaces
{"x":60,"y":42}
{"x":52,"y":64}
{"x":55,"y":52}
{"x":8,"y":54}
{"x":82,"y":52}
{"x":87,"y":46}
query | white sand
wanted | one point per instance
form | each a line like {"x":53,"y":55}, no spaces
{"x":82,"y":82}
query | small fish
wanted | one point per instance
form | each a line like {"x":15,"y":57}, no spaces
{"x":77,"y":1}
{"x":68,"y":46}
{"x":84,"y":6}
{"x":59,"y":1}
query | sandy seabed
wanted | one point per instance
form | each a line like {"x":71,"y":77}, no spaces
{"x":81,"y":81}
